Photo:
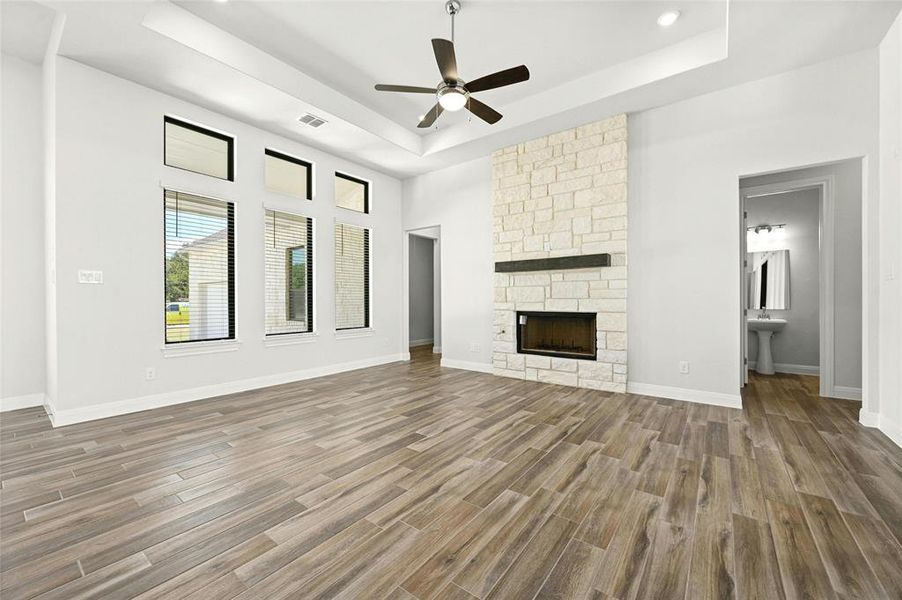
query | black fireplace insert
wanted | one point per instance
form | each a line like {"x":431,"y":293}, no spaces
{"x":561,"y":334}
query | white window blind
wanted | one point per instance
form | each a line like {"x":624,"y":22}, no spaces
{"x":289,"y":273}
{"x":352,"y":277}
{"x":199,"y":268}
{"x":193,"y":148}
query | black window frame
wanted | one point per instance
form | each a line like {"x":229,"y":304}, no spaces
{"x":367,"y":279}
{"x":230,"y":248}
{"x":198,"y":129}
{"x":366,"y":192}
{"x":297,"y":161}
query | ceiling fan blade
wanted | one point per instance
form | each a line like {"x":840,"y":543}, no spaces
{"x":499,"y":79}
{"x":408,"y":89}
{"x":431,"y":116}
{"x":447,"y":61}
{"x":483,"y":111}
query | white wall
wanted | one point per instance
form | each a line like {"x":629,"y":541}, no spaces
{"x":110,"y":179}
{"x":889,"y":415}
{"x":421,"y":269}
{"x":799,"y":342}
{"x":686,"y":160}
{"x":22,"y":221}
{"x":458,"y":199}
{"x":685,"y":163}
{"x":847,"y":264}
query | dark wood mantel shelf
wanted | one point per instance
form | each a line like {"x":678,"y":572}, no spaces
{"x":558,"y":263}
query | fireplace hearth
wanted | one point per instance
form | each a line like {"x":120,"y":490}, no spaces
{"x":561,"y":334}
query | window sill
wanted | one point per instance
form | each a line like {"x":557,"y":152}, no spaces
{"x":290,"y":339}
{"x":195,"y":348}
{"x":349,"y":334}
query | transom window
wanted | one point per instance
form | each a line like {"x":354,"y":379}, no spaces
{"x":288,"y":175}
{"x":194,"y":148}
{"x":352,"y":193}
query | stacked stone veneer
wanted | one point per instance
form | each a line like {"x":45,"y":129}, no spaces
{"x":563,"y":195}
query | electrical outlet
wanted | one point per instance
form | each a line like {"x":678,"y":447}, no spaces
{"x":150,"y":373}
{"x":684,"y":367}
{"x":475,"y":347}
{"x":94,"y":277}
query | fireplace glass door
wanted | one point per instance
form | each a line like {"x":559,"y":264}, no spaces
{"x":561,"y":334}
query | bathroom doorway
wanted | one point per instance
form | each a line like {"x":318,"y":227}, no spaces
{"x":801,"y":277}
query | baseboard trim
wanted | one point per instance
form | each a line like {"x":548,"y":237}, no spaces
{"x":436,"y":349}
{"x":60,"y":418}
{"x":685,"y":394}
{"x":467,"y":365}
{"x":423,"y":342}
{"x":846,"y":393}
{"x":890,"y":428}
{"x":23,"y":401}
{"x":791,"y":369}
{"x":868,"y":419}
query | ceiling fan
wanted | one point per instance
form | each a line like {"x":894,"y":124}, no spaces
{"x":453,"y":93}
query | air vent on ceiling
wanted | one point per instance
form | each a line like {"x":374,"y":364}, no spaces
{"x":312,"y":120}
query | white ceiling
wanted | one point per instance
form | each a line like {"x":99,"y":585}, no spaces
{"x":353,"y":45}
{"x":267,"y":63}
{"x":25,"y":29}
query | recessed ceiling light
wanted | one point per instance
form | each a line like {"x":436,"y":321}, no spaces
{"x":421,"y":117}
{"x":668,"y":18}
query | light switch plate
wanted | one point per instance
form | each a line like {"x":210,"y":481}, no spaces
{"x":90,"y":277}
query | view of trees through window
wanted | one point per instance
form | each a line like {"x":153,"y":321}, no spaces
{"x":199,"y":268}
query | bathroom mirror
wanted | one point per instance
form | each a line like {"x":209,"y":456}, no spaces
{"x":768,"y":274}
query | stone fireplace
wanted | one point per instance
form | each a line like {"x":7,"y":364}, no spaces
{"x":560,"y":225}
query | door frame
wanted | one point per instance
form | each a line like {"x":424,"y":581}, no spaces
{"x":435,"y":233}
{"x":826,"y":269}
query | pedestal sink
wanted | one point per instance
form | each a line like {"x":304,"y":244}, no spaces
{"x":765,"y":328}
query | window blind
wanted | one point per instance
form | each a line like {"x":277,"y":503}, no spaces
{"x":199,"y":268}
{"x":289,"y":273}
{"x":352,"y":277}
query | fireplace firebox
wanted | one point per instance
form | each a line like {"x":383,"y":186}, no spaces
{"x":561,"y":334}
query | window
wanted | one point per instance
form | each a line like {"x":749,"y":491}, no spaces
{"x":199,"y":268}
{"x":193,"y":148}
{"x":352,"y":277}
{"x":288,"y":175}
{"x":289,"y":273}
{"x":352,"y":193}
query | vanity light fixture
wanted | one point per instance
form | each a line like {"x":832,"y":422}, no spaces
{"x":668,"y":18}
{"x":767,"y":228}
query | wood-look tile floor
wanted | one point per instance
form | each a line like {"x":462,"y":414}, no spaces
{"x":413,"y":481}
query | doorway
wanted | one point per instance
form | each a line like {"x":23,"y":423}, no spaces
{"x":424,"y":330}
{"x":801,"y":277}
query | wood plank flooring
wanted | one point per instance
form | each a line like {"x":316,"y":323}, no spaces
{"x":410,"y":481}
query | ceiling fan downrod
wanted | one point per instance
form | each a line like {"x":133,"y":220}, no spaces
{"x":452,"y":7}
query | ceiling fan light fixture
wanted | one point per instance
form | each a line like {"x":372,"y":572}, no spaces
{"x":452,"y":98}
{"x":668,"y":18}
